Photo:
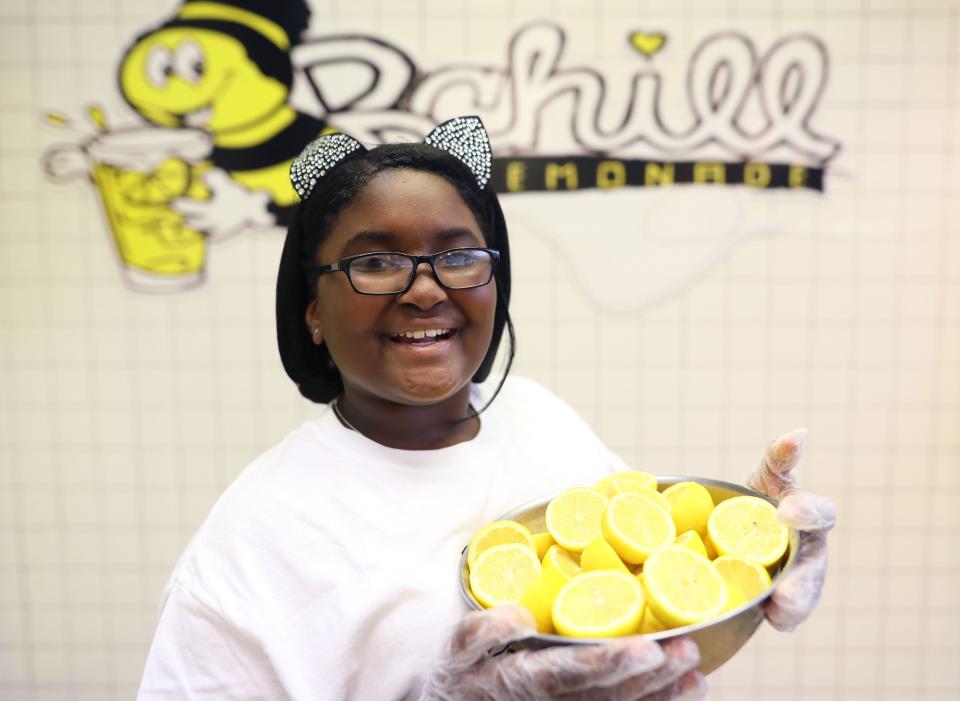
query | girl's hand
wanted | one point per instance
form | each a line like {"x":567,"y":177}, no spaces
{"x":633,"y":668}
{"x":798,"y":594}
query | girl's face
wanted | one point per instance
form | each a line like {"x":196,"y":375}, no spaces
{"x":406,"y":211}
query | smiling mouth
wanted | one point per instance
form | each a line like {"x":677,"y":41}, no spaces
{"x":422,"y":337}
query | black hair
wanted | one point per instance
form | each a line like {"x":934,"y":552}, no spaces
{"x":310,"y":366}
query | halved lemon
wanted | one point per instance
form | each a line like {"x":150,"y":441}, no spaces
{"x":599,"y":604}
{"x":539,"y":597}
{"x":683,"y":587}
{"x":708,"y":544}
{"x":573,"y":517}
{"x":747,"y":576}
{"x":599,"y":555}
{"x":690,"y":504}
{"x":542,"y":542}
{"x":607,"y":485}
{"x":499,"y":533}
{"x":635,"y":526}
{"x":560,"y":558}
{"x":747,"y":527}
{"x":649,"y":623}
{"x":635,"y":487}
{"x":735,"y":597}
{"x":503,"y":573}
{"x":692,"y":540}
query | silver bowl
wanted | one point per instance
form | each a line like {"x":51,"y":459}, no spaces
{"x":718,"y":639}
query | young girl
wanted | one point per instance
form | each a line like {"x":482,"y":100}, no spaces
{"x":328,"y":569}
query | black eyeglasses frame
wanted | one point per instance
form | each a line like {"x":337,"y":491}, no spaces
{"x":343,"y":266}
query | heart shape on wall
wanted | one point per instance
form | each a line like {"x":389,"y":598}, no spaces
{"x":647,"y":44}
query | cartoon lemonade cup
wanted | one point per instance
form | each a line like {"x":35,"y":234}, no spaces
{"x":138,"y":173}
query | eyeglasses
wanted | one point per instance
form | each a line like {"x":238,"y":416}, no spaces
{"x":385,"y":273}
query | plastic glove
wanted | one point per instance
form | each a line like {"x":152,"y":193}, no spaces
{"x":797,"y":595}
{"x":624,"y":669}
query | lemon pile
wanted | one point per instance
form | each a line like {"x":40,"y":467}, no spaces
{"x":622,"y":557}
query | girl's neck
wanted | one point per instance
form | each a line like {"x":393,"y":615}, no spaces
{"x":405,"y":427}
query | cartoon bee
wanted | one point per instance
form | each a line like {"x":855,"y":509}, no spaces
{"x":225,"y":67}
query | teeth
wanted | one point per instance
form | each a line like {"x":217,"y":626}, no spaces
{"x":424,"y":333}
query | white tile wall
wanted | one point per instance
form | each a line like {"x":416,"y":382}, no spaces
{"x":123,"y":416}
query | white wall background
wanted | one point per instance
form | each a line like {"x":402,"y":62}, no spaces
{"x":123,"y":415}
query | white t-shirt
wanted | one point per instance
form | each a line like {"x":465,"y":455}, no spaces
{"x":328,"y":569}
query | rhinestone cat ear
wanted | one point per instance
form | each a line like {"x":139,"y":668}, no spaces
{"x":465,"y":139}
{"x":316,"y":160}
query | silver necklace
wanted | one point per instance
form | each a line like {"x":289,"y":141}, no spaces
{"x":335,"y":405}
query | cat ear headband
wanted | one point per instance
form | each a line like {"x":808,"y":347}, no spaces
{"x":464,"y":138}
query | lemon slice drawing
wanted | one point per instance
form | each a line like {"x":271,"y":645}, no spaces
{"x":168,"y":181}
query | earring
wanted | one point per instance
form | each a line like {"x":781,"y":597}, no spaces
{"x":317,"y":338}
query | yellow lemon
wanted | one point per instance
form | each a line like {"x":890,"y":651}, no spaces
{"x":573,"y":517}
{"x":607,"y":485}
{"x":634,"y":487}
{"x":542,"y":542}
{"x":747,"y":527}
{"x":599,"y":604}
{"x":539,"y":597}
{"x":735,"y":597}
{"x":683,"y":587}
{"x":598,"y":555}
{"x":604,"y":485}
{"x":748,"y":577}
{"x":692,"y":540}
{"x":708,"y":544}
{"x":691,"y":505}
{"x":503,"y":573}
{"x":635,"y":526}
{"x":569,"y":563}
{"x":650,"y":623}
{"x":499,"y":533}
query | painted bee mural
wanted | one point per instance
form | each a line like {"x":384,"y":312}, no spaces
{"x":229,"y":92}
